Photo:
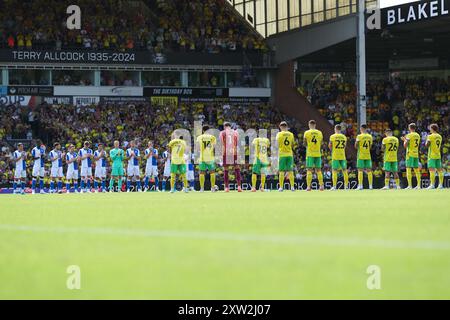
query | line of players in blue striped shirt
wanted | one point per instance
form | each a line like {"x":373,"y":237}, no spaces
{"x":80,"y":165}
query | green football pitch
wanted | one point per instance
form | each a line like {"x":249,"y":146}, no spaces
{"x":331,"y":245}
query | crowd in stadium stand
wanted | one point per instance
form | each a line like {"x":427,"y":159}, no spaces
{"x":161,"y":26}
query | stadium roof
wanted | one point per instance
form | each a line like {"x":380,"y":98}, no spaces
{"x":275,"y":18}
{"x":271,"y":17}
{"x":430,"y":38}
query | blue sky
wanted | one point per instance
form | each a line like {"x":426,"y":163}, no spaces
{"x":390,"y":3}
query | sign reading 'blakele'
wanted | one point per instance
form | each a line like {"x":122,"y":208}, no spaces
{"x":30,"y":91}
{"x":416,"y":11}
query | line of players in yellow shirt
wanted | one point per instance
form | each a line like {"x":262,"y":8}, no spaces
{"x":178,"y":146}
{"x":313,"y":141}
{"x":411,"y":143}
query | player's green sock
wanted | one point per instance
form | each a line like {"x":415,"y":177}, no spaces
{"x":213,"y":179}
{"x":441,"y":178}
{"x":308,"y":179}
{"x":320,"y":177}
{"x":291,"y":179}
{"x":281,"y":178}
{"x":202,"y":181}
{"x":335,"y":178}
{"x":111,"y":184}
{"x":120,"y":184}
{"x":432,"y":178}
{"x":418,"y":177}
{"x":263,"y":181}
{"x":360,"y":178}
{"x":254,"y":179}
{"x":370,"y":178}
{"x":409,"y":176}
{"x":346,"y":179}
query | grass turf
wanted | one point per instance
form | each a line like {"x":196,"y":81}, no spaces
{"x":226,"y":246}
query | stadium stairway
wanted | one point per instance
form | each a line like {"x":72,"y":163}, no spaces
{"x":292,"y":103}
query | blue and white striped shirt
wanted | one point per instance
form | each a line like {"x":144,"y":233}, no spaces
{"x":137,"y":153}
{"x":57,"y":156}
{"x":152,"y":160}
{"x":86,"y":163}
{"x":102,"y":161}
{"x":72,"y":165}
{"x":21,"y":164}
{"x":38,"y":156}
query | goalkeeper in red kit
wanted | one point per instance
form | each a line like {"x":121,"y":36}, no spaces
{"x":229,"y":139}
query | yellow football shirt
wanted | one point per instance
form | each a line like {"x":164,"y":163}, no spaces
{"x":413,"y":145}
{"x":434,"y":149}
{"x":177,"y":148}
{"x":207,"y":143}
{"x":391,"y":149}
{"x":313,"y":140}
{"x":365,"y":142}
{"x":338,"y":144}
{"x":261,"y":149}
{"x":285,"y":141}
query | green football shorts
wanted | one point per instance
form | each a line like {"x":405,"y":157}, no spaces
{"x":434,"y":164}
{"x":364,"y":164}
{"x":412,"y":162}
{"x":390,"y":166}
{"x":259,"y":167}
{"x":209,"y":165}
{"x":286,"y":164}
{"x":117,"y":171}
{"x":178,"y":168}
{"x":339,"y":165}
{"x":314,"y":162}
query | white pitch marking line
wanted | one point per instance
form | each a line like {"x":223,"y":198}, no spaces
{"x":200,"y":235}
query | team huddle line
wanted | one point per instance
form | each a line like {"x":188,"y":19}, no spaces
{"x":179,"y":163}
